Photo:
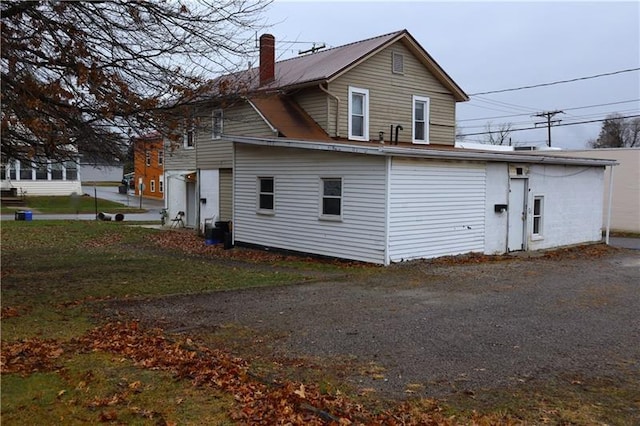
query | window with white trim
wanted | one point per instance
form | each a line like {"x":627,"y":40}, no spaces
{"x":160,"y":158}
{"x":147,"y":158}
{"x":161,"y":183}
{"x":189,"y":135}
{"x":266,"y":194}
{"x":538,"y":209}
{"x":331,"y":207}
{"x":152,"y":185}
{"x":217,"y":123}
{"x":358,"y":114}
{"x":420,"y":119}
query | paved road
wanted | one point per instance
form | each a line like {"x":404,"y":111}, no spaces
{"x":107,"y":193}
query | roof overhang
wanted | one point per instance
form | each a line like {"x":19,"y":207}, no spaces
{"x":434,"y":153}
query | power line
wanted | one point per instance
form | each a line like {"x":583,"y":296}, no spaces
{"x":558,"y":125}
{"x":564,"y":109}
{"x":555,"y":82}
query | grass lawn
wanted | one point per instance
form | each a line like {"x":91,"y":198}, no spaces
{"x":71,"y":205}
{"x":64,"y":363}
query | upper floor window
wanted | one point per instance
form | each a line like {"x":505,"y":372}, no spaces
{"x":331,"y":198}
{"x":147,"y":158}
{"x":420,"y":119}
{"x":161,"y":183}
{"x":160,"y":158}
{"x":216,"y":124}
{"x":358,"y":114}
{"x":397,"y":63}
{"x":189,"y":136}
{"x":266,"y":194}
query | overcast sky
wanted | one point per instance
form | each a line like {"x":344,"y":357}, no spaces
{"x":487,"y":46}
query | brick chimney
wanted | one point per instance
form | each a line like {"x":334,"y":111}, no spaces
{"x":267,"y":58}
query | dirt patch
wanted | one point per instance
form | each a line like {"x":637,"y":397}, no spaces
{"x":434,"y":328}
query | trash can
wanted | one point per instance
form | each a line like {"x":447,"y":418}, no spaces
{"x":122,"y":189}
{"x":213,"y":236}
{"x":24,"y":215}
{"x":224,"y":226}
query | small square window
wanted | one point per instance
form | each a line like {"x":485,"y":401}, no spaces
{"x":331,"y":197}
{"x":266,"y":194}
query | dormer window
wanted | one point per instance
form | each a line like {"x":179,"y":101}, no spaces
{"x":397,"y":63}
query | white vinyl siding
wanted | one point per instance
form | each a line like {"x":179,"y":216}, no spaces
{"x":436,"y":209}
{"x":358,"y":114}
{"x":296,"y":226}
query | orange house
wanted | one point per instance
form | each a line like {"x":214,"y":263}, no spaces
{"x":149,"y":166}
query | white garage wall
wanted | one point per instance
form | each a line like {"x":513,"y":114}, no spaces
{"x":209,"y":191}
{"x":436,"y":208}
{"x":572,"y":204}
{"x":295,"y":224}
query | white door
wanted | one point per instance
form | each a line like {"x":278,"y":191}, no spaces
{"x":517,"y":214}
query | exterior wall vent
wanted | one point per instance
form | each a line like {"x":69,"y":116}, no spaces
{"x":397,"y":63}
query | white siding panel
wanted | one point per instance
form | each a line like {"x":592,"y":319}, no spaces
{"x":295,"y":224}
{"x":436,"y":209}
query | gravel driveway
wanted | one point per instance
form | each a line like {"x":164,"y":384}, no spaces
{"x":443,"y":328}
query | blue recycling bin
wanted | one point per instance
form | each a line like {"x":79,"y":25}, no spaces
{"x":26,"y":215}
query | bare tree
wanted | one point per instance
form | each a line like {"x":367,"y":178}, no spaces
{"x":618,"y":132}
{"x":499,"y":135}
{"x":92,"y":74}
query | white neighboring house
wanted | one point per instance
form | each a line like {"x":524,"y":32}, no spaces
{"x":51,"y":178}
{"x":94,"y":172}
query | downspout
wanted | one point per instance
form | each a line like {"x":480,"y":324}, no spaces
{"x":606,"y":239}
{"x":337,"y":108}
{"x":387,"y":211}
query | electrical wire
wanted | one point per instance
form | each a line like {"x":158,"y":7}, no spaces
{"x":563,"y":109}
{"x":556,"y":125}
{"x":555,"y":82}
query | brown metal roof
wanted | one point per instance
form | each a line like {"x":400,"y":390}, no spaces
{"x":286,"y":116}
{"x":326,"y":65}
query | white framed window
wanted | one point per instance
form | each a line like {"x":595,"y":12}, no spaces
{"x":217,"y":123}
{"x":161,"y":183}
{"x":331,"y":199}
{"x":147,"y":158}
{"x":538,"y":215}
{"x":266,"y":195}
{"x":358,"y":114}
{"x":160,"y":158}
{"x":189,"y":135}
{"x":420,"y":120}
{"x":397,"y":63}
{"x":152,"y":185}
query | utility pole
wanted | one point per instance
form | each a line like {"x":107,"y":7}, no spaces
{"x":548,"y":115}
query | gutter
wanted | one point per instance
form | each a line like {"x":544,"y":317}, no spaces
{"x":393,"y":151}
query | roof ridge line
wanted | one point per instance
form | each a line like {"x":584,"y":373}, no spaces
{"x":343,"y":45}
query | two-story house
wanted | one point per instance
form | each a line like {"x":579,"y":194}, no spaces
{"x":148,"y":163}
{"x":349,"y":152}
